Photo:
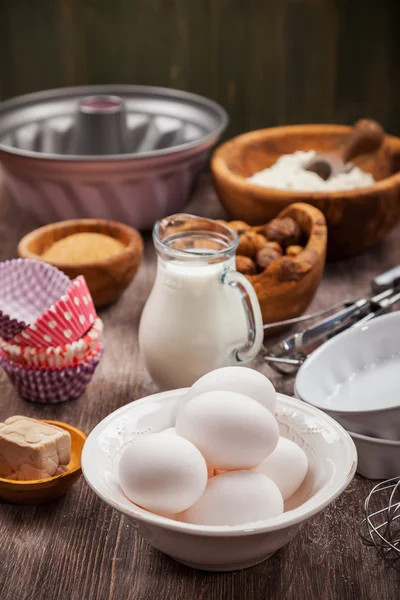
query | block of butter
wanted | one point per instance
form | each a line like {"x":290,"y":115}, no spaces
{"x":30,"y":449}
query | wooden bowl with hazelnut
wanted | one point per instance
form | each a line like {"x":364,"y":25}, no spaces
{"x":284,"y":260}
{"x":371,"y":211}
{"x":106,"y":253}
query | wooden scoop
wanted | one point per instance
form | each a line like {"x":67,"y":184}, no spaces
{"x":367,"y":136}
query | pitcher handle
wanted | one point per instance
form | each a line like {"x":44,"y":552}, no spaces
{"x":253,"y":315}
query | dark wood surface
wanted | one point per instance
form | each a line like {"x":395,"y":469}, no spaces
{"x":79,"y":549}
{"x":268,"y":62}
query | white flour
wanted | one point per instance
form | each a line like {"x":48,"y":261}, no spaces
{"x":288,"y":174}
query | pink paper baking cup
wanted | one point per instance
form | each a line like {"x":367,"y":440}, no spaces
{"x":51,"y":386}
{"x":27,"y":288}
{"x":57,"y":357}
{"x":64,"y":322}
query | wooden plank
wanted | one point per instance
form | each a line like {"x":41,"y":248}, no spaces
{"x":310,"y":30}
{"x":268,"y":63}
{"x":368,"y":68}
{"x":31,"y":47}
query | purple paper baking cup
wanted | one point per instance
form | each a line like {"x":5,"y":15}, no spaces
{"x":51,"y":386}
{"x":67,"y":320}
{"x":27,"y":288}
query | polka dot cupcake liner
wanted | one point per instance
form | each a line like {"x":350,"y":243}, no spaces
{"x":66,"y":321}
{"x":51,"y":386}
{"x":57,"y":357}
{"x":27,"y":288}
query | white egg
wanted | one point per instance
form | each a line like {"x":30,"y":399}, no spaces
{"x":162,"y":473}
{"x":236,"y":498}
{"x":286,"y":466}
{"x":230,"y":430}
{"x":172,"y":431}
{"x":241,"y":380}
{"x":169,"y":431}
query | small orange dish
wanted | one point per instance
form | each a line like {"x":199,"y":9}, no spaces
{"x":43,"y":490}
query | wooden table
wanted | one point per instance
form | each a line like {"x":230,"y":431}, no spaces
{"x":77,"y":548}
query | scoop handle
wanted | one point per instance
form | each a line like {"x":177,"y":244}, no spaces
{"x":367,"y":136}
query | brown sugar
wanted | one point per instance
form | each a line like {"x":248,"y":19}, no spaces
{"x":84,"y":247}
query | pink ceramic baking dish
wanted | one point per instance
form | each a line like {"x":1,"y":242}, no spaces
{"x":124,"y":153}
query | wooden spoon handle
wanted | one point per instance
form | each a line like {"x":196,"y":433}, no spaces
{"x":367,"y":136}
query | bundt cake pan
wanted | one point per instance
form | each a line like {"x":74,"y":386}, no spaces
{"x":127,"y":153}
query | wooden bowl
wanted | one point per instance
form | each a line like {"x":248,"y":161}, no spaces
{"x":106,"y":279}
{"x":287,"y":286}
{"x":44,"y":490}
{"x":356,"y":219}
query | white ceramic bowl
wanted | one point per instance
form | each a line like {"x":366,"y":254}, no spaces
{"x":355,"y":378}
{"x":332,"y":463}
{"x":377,"y":459}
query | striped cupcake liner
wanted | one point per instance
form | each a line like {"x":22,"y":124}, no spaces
{"x":27,"y":288}
{"x":52,"y":386}
{"x":66,"y":321}
{"x":58,"y":357}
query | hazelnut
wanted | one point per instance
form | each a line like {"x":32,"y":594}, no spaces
{"x":259,"y":241}
{"x":239,"y":226}
{"x":245,"y":265}
{"x":284,"y":231}
{"x":247,"y":244}
{"x":294,"y":250}
{"x":265,"y":257}
{"x":259,"y":229}
{"x":274,"y":246}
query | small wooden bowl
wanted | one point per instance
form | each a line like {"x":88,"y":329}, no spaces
{"x":287,"y":286}
{"x":356,"y":219}
{"x":106,"y":279}
{"x":44,"y":490}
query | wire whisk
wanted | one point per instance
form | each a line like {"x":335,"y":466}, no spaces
{"x":381,"y":526}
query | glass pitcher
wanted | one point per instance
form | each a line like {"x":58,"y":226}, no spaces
{"x":201,"y":314}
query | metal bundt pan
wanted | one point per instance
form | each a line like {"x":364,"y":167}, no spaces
{"x":128,"y":153}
